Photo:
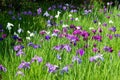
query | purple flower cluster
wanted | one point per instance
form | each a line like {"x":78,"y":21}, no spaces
{"x":39,"y":10}
{"x":71,"y":33}
{"x":19,"y":50}
{"x":113,"y":29}
{"x":2,"y":68}
{"x":64,"y":46}
{"x":64,"y":69}
{"x":24,"y":65}
{"x":108,"y":49}
{"x":96,"y":57}
{"x":52,"y":68}
{"x":35,"y":46}
{"x":97,"y":37}
{"x":117,"y":35}
{"x":77,"y":59}
{"x":37,"y":58}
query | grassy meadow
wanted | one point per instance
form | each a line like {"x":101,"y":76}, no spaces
{"x":60,"y":42}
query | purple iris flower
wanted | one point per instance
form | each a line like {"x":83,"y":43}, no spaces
{"x":93,"y":31}
{"x":18,"y":47}
{"x":64,"y":46}
{"x":67,"y":47}
{"x":54,"y":34}
{"x":56,"y":31}
{"x":52,"y":68}
{"x":19,"y":40}
{"x":51,"y":17}
{"x":64,"y":30}
{"x":62,"y":35}
{"x":47,"y":37}
{"x":91,"y":59}
{"x":15,"y":37}
{"x":64,"y":8}
{"x":105,"y":9}
{"x":99,"y":30}
{"x":49,"y":23}
{"x":72,"y":19}
{"x":50,"y":8}
{"x":73,"y":10}
{"x":72,"y":26}
{"x":30,"y":44}
{"x":35,"y":46}
{"x":24,"y":65}
{"x":113,"y":29}
{"x":116,"y":35}
{"x":20,"y":52}
{"x":77,"y":59}
{"x":42,"y":32}
{"x":73,"y":43}
{"x":37,"y":58}
{"x":97,"y":37}
{"x":95,"y":49}
{"x":29,"y":13}
{"x":105,"y":24}
{"x":25,"y":12}
{"x":87,"y":11}
{"x":80,"y":51}
{"x":96,"y":57}
{"x":76,"y":32}
{"x":2,"y":68}
{"x":95,"y":21}
{"x":64,"y":69}
{"x":1,"y":39}
{"x":85,"y":34}
{"x":110,"y":36}
{"x":39,"y":10}
{"x":72,"y":37}
{"x":59,"y":47}
{"x":108,"y":49}
{"x":94,"y":45}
